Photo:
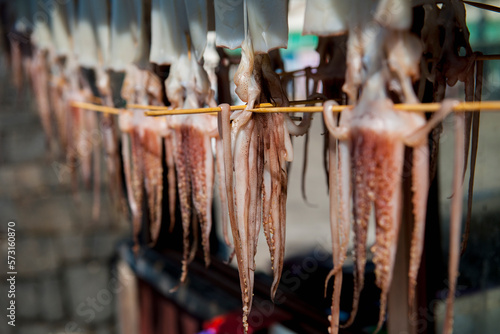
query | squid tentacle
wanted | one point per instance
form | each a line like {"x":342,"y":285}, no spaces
{"x":222,"y":192}
{"x":334,"y":227}
{"x":172,"y":182}
{"x":339,"y":191}
{"x":455,"y":221}
{"x":227,"y":135}
{"x":388,"y":215}
{"x":184,"y":188}
{"x":363,"y":194}
{"x":420,"y":189}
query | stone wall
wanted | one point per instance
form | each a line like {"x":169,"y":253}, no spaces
{"x":63,"y":258}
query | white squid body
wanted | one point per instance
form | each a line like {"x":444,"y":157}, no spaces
{"x":169,"y":31}
{"x":141,"y":58}
{"x":129,"y":35}
{"x":326,"y":18}
{"x":62,"y":19}
{"x":197,"y":14}
{"x":42,"y":37}
{"x":267,"y":24}
{"x":92,"y":34}
{"x":124,"y":34}
{"x":229,"y":23}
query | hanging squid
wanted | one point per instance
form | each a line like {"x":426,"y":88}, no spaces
{"x":188,"y":86}
{"x":256,"y":146}
{"x":371,"y":141}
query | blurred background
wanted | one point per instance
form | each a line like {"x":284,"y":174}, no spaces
{"x":68,"y":264}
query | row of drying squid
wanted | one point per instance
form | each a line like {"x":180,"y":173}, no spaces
{"x":378,"y":67}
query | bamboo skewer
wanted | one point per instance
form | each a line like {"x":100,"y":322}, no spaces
{"x":165,"y":111}
{"x":95,"y":107}
{"x":162,"y":110}
{"x":270,"y":108}
{"x":159,"y":110}
{"x":418,"y":107}
{"x":295,"y":109}
{"x":461,"y":107}
{"x":95,"y":99}
{"x":145,"y":107}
